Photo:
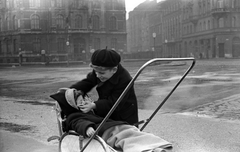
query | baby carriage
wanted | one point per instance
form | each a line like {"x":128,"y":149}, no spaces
{"x":70,"y":141}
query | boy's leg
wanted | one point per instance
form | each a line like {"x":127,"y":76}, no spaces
{"x":130,"y":138}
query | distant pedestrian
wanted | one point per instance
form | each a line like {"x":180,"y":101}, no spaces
{"x":20,"y":58}
{"x":43,"y":55}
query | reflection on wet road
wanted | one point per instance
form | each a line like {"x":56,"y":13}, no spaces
{"x":197,"y":89}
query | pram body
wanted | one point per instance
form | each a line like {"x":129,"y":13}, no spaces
{"x":70,"y":141}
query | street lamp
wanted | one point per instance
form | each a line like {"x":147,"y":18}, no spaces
{"x":154,"y":36}
{"x":67,"y":43}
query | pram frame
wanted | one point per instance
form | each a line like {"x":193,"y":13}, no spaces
{"x":128,"y":87}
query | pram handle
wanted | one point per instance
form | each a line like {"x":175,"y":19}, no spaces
{"x":131,"y":83}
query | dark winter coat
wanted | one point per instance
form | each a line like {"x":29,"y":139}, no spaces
{"x":109,"y":92}
{"x":79,"y":122}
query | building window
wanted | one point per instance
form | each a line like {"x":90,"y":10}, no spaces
{"x":75,"y":3}
{"x":114,"y":43}
{"x":219,"y":3}
{"x":8,"y":46}
{"x":113,"y":23}
{"x":234,"y":22}
{"x":234,"y":3}
{"x":15,"y":25}
{"x":121,"y":25}
{"x":204,"y":25}
{"x":34,"y":3}
{"x":15,"y":50}
{"x":35,"y":21}
{"x":61,"y":45}
{"x":59,"y":21}
{"x":209,"y":24}
{"x":78,"y":21}
{"x":0,"y":24}
{"x":97,"y":4}
{"x":7,"y":4}
{"x":96,"y":24}
{"x":1,"y":48}
{"x":8,"y":23}
{"x":220,"y":22}
{"x":36,"y":46}
{"x":97,"y":43}
{"x":59,"y":3}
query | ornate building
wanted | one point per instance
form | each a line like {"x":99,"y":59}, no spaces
{"x":199,"y":28}
{"x":172,"y":25}
{"x":139,"y":27}
{"x":61,"y":29}
{"x":211,"y":28}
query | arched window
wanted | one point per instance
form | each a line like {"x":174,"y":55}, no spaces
{"x":220,"y":22}
{"x":78,"y":21}
{"x":96,"y":22}
{"x":113,"y":23}
{"x":59,"y":21}
{"x":35,"y":21}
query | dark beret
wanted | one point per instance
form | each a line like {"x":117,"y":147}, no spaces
{"x":105,"y":58}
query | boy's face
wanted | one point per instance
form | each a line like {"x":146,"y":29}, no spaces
{"x":104,"y":75}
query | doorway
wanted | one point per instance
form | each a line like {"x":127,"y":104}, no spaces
{"x":221,"y":50}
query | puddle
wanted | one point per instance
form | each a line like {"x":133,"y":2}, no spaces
{"x":12,"y":127}
{"x":35,"y":102}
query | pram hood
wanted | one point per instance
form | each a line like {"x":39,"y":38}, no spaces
{"x":66,"y":109}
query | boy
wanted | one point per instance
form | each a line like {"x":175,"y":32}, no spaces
{"x":117,"y":134}
{"x":111,"y":79}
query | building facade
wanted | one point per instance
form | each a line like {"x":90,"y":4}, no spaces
{"x":139,"y":28}
{"x":172,"y":25}
{"x":198,"y":28}
{"x":60,"y":28}
{"x":211,"y":28}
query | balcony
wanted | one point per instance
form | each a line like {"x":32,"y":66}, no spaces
{"x":221,"y":10}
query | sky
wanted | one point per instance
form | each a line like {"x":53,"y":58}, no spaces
{"x":131,"y":4}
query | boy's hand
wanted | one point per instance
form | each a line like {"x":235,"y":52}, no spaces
{"x":88,"y":106}
{"x":90,"y":131}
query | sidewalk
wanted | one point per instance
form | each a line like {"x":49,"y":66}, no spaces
{"x":13,"y":142}
{"x":188,"y":133}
